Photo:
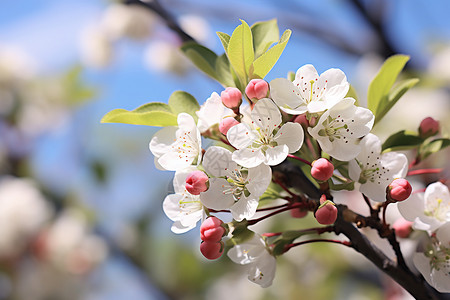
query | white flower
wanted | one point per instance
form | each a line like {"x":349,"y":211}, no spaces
{"x":375,"y":171}
{"x":177,"y":148}
{"x":23,"y":212}
{"x":434,"y":263}
{"x":212,"y":112}
{"x":428,"y":211}
{"x":254,"y":253}
{"x":339,"y":129}
{"x":183,"y":208}
{"x":232,"y":186}
{"x":264,"y":141}
{"x":309,"y":91}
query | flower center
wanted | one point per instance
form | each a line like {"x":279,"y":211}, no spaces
{"x":439,"y":258}
{"x":237,"y":182}
{"x":335,"y":128}
{"x":189,"y":204}
{"x":373,"y":172}
{"x":437,"y":209}
{"x":186,"y":146}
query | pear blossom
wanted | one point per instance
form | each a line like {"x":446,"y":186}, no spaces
{"x":182,"y":207}
{"x":375,"y":171}
{"x":177,"y":148}
{"x":255,"y":254}
{"x":309,"y":92}
{"x":340,"y":128}
{"x":212,"y":112}
{"x":232,"y":186}
{"x":428,"y":210}
{"x":264,"y":141}
{"x":434,"y":263}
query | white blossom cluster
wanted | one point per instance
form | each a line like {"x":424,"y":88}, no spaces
{"x":239,"y":172}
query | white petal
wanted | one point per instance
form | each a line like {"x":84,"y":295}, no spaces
{"x":437,"y":192}
{"x":266,"y":115}
{"x":214,"y":197}
{"x":171,"y":206}
{"x":217,"y":161}
{"x":212,"y":112}
{"x":412,"y":207}
{"x":291,"y":135}
{"x":443,"y":235}
{"x":248,"y":251}
{"x":286,"y":96}
{"x":245,"y":208}
{"x":337,"y":85}
{"x":161,"y":141}
{"x":306,"y":73}
{"x":179,"y":228}
{"x":396,"y":163}
{"x":241,"y":136}
{"x":173,"y":161}
{"x":249,"y":158}
{"x":422,"y":263}
{"x":374,"y":191}
{"x":276,"y":155}
{"x":179,"y":179}
{"x":259,"y":179}
{"x":370,"y":143}
{"x":354,"y":170}
{"x":186,"y":122}
{"x":340,"y":149}
{"x":262,"y":271}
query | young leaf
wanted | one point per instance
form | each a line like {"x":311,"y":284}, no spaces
{"x":264,"y":35}
{"x":402,"y":140}
{"x":433,"y":147}
{"x":202,"y":57}
{"x":379,"y":97}
{"x":150,"y":114}
{"x":263,"y":64}
{"x":225,"y":39}
{"x":181,"y":101}
{"x":352,"y":94}
{"x":240,"y":50}
{"x":388,"y":102}
{"x":223,"y":71}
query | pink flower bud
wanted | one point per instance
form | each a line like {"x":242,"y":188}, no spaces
{"x":212,"y":250}
{"x":211,"y":230}
{"x":226,"y":124}
{"x":428,"y":127}
{"x":302,"y":120}
{"x":399,"y":189}
{"x":326,"y":214}
{"x":298,"y":213}
{"x":322,"y":169}
{"x":257,"y":89}
{"x":231,"y":97}
{"x":196,"y":182}
{"x":403,"y":228}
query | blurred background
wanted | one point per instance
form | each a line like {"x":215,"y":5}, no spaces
{"x":80,"y":201}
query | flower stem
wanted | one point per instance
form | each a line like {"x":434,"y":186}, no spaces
{"x":289,"y":246}
{"x":300,"y":159}
{"x":423,"y":171}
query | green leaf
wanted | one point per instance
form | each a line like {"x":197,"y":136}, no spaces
{"x":381,"y":85}
{"x":150,"y":114}
{"x":350,"y":186}
{"x":388,"y":102}
{"x":264,"y":35}
{"x":402,"y":140}
{"x":181,"y":101}
{"x":352,"y":94}
{"x":223,"y":71}
{"x":290,"y":76}
{"x":263,"y":64}
{"x":287,"y":238}
{"x":240,"y":233}
{"x":202,"y":57}
{"x":432,"y":147}
{"x":240,"y":50}
{"x":225,"y":39}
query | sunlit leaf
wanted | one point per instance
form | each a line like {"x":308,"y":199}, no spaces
{"x":240,"y":50}
{"x":432,"y":147}
{"x":402,"y":140}
{"x":181,"y":101}
{"x":224,"y":39}
{"x":263,"y":64}
{"x":150,"y":114}
{"x":264,"y":35}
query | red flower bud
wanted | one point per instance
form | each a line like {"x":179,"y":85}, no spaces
{"x":298,"y":213}
{"x":302,"y":120}
{"x":322,"y":169}
{"x":226,"y":124}
{"x":211,"y":230}
{"x":399,"y":190}
{"x":326,"y":214}
{"x":257,"y":89}
{"x":212,"y":250}
{"x":196,"y":182}
{"x":231,"y":97}
{"x":428,"y":127}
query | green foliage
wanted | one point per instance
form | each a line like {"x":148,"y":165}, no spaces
{"x":240,"y":51}
{"x":433,"y":146}
{"x":263,"y":64}
{"x":286,"y":238}
{"x":224,"y":39}
{"x":264,"y":35}
{"x":402,"y":140}
{"x":240,"y":233}
{"x":352,"y":94}
{"x":381,"y":97}
{"x":156,"y":113}
{"x":207,"y":61}
{"x":77,"y":92}
{"x":181,"y":101}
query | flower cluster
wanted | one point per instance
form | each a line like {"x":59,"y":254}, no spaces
{"x":234,"y":174}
